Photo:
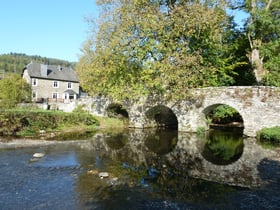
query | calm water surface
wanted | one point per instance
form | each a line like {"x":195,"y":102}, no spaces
{"x":147,"y":170}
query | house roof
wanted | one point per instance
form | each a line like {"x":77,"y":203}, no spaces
{"x":51,"y":72}
{"x":71,"y":92}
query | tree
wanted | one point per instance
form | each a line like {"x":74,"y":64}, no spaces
{"x":13,"y":91}
{"x":158,"y":47}
{"x":263,"y":30}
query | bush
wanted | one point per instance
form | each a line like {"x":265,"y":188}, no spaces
{"x":269,"y":136}
{"x":224,"y":114}
{"x":14,"y":121}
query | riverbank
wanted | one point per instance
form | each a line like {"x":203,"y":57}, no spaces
{"x":23,"y":143}
{"x":52,"y":125}
{"x":64,"y":135}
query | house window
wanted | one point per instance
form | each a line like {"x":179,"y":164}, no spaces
{"x":55,"y":84}
{"x":34,"y":95}
{"x":55,"y":95}
{"x":34,"y":82}
{"x":69,"y":85}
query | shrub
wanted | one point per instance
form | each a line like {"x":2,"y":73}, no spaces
{"x":201,"y":130}
{"x":14,"y":121}
{"x":269,"y":136}
{"x":225,"y":114}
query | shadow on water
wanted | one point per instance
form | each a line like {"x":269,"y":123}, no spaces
{"x":266,"y":197}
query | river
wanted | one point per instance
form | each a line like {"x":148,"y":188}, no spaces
{"x":151,"y":169}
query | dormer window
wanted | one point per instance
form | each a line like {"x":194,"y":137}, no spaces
{"x":69,"y":85}
{"x":55,"y":84}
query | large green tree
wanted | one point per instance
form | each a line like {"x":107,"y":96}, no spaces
{"x":161,"y":46}
{"x":13,"y":91}
{"x":262,"y":29}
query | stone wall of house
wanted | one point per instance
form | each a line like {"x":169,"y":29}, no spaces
{"x":45,"y":89}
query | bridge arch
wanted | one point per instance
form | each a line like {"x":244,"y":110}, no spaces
{"x":220,"y":115}
{"x":161,"y":116}
{"x":117,"y":110}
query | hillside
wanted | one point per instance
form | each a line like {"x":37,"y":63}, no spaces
{"x":15,"y":62}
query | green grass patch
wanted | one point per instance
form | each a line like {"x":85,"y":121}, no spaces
{"x":108,"y":123}
{"x":269,"y":136}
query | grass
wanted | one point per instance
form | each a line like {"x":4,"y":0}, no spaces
{"x":22,"y":123}
{"x":269,"y":136}
{"x":109,"y":123}
{"x":46,"y":124}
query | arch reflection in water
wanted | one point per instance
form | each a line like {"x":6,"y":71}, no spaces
{"x":116,"y":140}
{"x":161,"y":141}
{"x":223,"y":147}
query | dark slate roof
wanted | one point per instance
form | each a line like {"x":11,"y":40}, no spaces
{"x":51,"y":72}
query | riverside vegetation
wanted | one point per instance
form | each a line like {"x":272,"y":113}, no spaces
{"x":269,"y":136}
{"x":58,"y":125}
{"x":23,"y":123}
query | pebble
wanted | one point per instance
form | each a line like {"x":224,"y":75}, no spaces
{"x":103,"y":175}
{"x":38,"y":155}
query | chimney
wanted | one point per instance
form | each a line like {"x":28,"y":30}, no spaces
{"x":59,"y":68}
{"x":44,"y":70}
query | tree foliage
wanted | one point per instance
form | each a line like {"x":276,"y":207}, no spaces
{"x":166,"y":47}
{"x":14,"y":90}
{"x":262,"y":29}
{"x":158,"y":47}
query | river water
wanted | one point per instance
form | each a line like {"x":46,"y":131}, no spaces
{"x":147,"y":170}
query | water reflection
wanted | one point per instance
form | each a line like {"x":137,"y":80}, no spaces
{"x":223,"y":147}
{"x":161,"y":141}
{"x":116,"y":140}
{"x":139,"y":178}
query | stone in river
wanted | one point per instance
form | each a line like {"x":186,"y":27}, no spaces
{"x":38,"y":155}
{"x":103,"y":175}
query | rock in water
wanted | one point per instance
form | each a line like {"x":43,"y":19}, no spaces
{"x":38,"y":155}
{"x":103,"y":175}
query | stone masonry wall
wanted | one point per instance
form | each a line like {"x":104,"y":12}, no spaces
{"x":258,"y":106}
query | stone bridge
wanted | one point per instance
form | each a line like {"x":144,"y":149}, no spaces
{"x":259,"y":107}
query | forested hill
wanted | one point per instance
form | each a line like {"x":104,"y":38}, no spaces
{"x":15,"y":62}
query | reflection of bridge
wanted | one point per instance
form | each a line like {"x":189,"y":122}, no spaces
{"x":259,"y":107}
{"x":186,"y":158}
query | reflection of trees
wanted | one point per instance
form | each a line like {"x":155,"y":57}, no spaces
{"x":223,"y":147}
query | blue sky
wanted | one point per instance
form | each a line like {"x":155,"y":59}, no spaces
{"x":49,"y":28}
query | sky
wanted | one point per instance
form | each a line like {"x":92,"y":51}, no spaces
{"x":48,"y":28}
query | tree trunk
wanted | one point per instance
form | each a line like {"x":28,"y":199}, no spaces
{"x":257,"y":64}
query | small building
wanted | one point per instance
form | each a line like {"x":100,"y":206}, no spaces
{"x":51,"y":83}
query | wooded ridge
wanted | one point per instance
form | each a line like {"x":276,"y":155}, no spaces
{"x":15,"y":62}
